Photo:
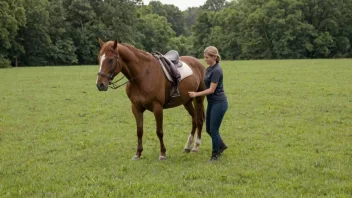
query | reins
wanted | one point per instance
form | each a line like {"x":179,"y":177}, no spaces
{"x":114,"y":86}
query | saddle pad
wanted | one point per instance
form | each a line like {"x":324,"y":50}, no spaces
{"x":185,"y":71}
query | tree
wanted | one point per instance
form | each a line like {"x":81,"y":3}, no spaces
{"x":172,"y":13}
{"x":83,"y":29}
{"x":181,"y":44}
{"x":63,"y":50}
{"x":225,"y":32}
{"x":57,"y":32}
{"x":13,"y":17}
{"x":35,"y":36}
{"x":119,"y":20}
{"x":201,"y":32}
{"x":155,"y":33}
{"x":332,"y":21}
{"x":214,"y":5}
{"x":190,"y":18}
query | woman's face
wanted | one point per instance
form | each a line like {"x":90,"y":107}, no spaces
{"x":210,"y":60}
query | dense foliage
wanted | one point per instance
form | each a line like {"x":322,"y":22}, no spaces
{"x":64,"y":32}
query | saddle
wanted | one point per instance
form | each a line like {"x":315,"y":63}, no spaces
{"x":174,"y":57}
{"x":170,"y":61}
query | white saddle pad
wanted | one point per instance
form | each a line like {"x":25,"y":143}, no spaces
{"x":185,"y":71}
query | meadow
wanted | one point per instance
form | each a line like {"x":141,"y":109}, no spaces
{"x":288,"y":129}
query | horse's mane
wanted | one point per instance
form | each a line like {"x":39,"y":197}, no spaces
{"x":133,"y":48}
{"x":132,"y":51}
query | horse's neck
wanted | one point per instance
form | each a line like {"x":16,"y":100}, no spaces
{"x":134,"y":63}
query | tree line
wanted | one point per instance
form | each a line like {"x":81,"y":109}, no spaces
{"x":64,"y":32}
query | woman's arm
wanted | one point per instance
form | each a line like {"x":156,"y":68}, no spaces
{"x":205,"y":92}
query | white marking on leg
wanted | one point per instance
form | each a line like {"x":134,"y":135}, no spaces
{"x":189,"y":142}
{"x":198,"y":141}
{"x":196,"y":145}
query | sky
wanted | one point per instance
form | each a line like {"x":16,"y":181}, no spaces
{"x":181,"y":4}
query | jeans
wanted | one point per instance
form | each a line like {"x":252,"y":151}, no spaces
{"x":214,"y":115}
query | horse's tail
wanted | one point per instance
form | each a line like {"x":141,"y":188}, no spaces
{"x":199,"y":109}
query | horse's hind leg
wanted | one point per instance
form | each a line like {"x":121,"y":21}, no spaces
{"x":199,"y":109}
{"x":191,"y":111}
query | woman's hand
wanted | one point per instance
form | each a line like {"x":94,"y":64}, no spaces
{"x":192,"y":94}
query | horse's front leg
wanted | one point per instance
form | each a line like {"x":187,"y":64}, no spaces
{"x":138,"y":114}
{"x":158,"y":113}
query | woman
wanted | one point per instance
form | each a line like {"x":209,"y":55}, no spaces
{"x":217,"y":100}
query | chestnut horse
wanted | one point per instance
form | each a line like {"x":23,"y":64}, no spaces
{"x":148,"y":88}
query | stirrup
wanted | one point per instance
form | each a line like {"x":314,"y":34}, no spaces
{"x":175,"y":94}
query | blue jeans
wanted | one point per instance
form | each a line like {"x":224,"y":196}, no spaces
{"x":215,"y":114}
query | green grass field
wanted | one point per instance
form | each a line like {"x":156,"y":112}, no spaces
{"x":288,"y":128}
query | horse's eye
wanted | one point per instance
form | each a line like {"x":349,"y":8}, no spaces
{"x":110,"y":61}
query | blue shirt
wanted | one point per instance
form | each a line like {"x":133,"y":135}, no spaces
{"x":214,"y":74}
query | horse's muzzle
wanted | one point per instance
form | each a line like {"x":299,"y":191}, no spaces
{"x":102,"y":87}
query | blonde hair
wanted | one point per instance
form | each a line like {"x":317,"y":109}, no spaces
{"x":213,"y":51}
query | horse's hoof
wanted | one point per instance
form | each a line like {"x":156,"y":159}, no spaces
{"x":186,"y":150}
{"x":162,"y":157}
{"x":136,"y":157}
{"x":194,"y":150}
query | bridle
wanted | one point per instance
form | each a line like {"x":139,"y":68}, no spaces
{"x":113,"y":72}
{"x":111,"y":76}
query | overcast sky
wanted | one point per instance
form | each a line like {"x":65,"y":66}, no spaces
{"x":182,"y":4}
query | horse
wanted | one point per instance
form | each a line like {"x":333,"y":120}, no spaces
{"x":148,"y":88}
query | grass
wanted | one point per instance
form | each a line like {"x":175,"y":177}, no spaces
{"x":288,"y":129}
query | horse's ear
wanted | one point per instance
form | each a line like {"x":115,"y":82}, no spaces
{"x":115,"y":44}
{"x":101,"y":42}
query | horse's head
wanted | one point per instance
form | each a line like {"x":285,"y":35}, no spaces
{"x":109,"y":64}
